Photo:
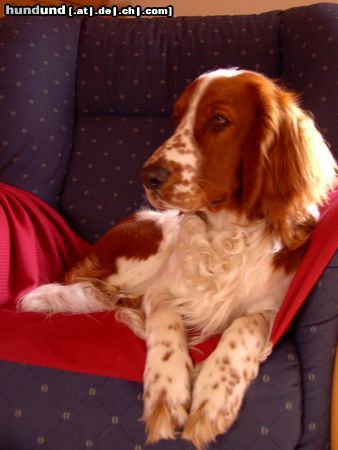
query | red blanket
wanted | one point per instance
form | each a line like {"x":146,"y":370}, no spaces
{"x":36,"y":246}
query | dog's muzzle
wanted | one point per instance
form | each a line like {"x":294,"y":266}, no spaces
{"x":154,"y":176}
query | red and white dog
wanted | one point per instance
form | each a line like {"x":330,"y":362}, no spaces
{"x":237,"y":187}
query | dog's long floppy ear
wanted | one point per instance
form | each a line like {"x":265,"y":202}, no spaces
{"x":287,"y":167}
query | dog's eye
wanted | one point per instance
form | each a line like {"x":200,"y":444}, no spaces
{"x":218,"y":122}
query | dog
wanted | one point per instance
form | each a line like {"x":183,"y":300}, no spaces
{"x":236,"y":191}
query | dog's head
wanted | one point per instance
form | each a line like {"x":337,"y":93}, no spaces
{"x":241,"y":143}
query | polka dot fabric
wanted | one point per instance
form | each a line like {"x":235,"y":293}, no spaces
{"x":37,"y":76}
{"x":138,"y":68}
{"x":86,"y":411}
{"x":310,"y":64}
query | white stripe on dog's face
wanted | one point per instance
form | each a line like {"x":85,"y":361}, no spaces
{"x":184,"y":158}
{"x":181,"y":153}
{"x":182,"y":147}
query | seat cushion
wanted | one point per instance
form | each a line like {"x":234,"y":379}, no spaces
{"x":71,"y":410}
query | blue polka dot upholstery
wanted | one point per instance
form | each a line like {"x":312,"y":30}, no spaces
{"x":83,"y":102}
{"x":37,"y":90}
{"x":309,"y":63}
{"x":139,"y":67}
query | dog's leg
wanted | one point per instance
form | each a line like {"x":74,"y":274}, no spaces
{"x":167,"y":391}
{"x":118,"y":266}
{"x":79,"y":298}
{"x":225,"y":375}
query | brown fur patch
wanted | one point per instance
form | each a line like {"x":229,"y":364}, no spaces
{"x":232,"y":344}
{"x":167,"y":355}
{"x":157,"y":376}
{"x":131,"y":238}
{"x":174,"y":327}
{"x":289,"y":260}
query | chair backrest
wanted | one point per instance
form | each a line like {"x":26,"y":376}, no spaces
{"x":83,"y":103}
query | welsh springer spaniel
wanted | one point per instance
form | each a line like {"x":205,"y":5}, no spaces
{"x":236,"y":190}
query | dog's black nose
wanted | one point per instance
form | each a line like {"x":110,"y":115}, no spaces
{"x":154,"y":176}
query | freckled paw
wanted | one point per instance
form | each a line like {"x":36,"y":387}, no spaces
{"x":217,"y":397}
{"x":201,"y":430}
{"x":167,"y":391}
{"x":162,"y":422}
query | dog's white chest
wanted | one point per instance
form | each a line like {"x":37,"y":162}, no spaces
{"x":220,"y":270}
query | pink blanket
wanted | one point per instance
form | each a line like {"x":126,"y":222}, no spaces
{"x":36,"y":245}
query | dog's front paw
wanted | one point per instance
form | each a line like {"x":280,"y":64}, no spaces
{"x":217,"y":398}
{"x":167,"y":393}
